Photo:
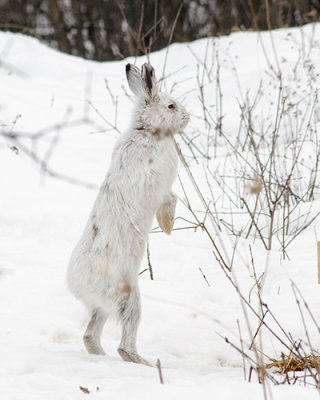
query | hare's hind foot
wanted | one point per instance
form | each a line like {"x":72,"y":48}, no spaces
{"x":92,"y":335}
{"x":132,"y":357}
{"x":92,"y":346}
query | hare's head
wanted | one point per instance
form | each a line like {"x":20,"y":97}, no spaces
{"x":156,"y":112}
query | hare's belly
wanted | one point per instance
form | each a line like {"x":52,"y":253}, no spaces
{"x":163,"y":170}
{"x":94,"y":272}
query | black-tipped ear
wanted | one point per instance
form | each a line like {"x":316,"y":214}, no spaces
{"x":148,"y":78}
{"x":149,"y":82}
{"x":134,"y":79}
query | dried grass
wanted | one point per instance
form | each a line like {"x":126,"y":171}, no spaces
{"x":292,"y":363}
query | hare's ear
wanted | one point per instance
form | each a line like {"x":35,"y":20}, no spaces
{"x":149,"y":82}
{"x":134,"y":80}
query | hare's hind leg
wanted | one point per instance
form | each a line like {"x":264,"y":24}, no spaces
{"x":92,"y":335}
{"x":129,"y":313}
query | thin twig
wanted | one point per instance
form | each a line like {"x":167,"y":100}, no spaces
{"x":160,"y":371}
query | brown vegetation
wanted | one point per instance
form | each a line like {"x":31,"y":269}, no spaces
{"x":114,"y":29}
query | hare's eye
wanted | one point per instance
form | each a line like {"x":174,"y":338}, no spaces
{"x":172,"y":106}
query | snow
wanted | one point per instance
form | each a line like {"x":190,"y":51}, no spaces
{"x":42,"y":355}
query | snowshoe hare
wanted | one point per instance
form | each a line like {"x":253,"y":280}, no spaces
{"x":103,"y":269}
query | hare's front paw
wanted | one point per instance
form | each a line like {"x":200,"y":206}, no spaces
{"x":132,"y":357}
{"x":165,"y":214}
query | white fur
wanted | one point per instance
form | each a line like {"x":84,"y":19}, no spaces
{"x":103,"y":269}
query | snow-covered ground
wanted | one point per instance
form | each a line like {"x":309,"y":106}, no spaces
{"x":41,"y":218}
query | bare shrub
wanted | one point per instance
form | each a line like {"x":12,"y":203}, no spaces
{"x":265,"y":175}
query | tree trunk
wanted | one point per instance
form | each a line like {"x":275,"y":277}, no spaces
{"x":58,"y":23}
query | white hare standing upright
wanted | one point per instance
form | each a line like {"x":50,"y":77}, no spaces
{"x":103,"y":269}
